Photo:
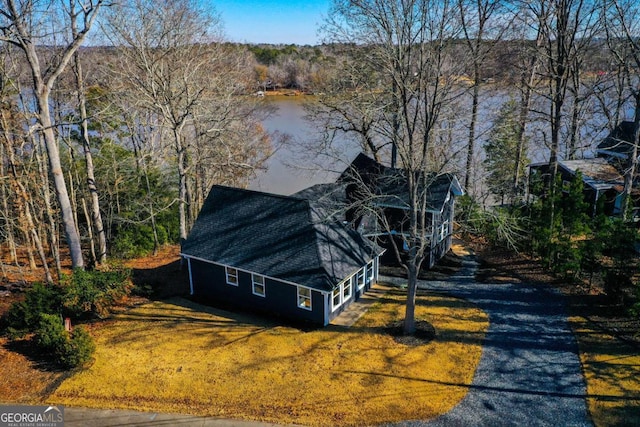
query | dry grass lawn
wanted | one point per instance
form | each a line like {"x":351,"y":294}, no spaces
{"x":612,"y":372}
{"x":178,"y":356}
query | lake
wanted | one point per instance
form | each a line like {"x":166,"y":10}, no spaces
{"x":297,"y":164}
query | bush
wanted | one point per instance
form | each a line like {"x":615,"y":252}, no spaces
{"x":78,"y":350}
{"x":24,"y":316}
{"x":137,"y":240}
{"x":50,"y":334}
{"x":88,"y":293}
{"x":69,"y":350}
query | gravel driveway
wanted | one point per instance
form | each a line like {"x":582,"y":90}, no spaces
{"x":529,"y":373}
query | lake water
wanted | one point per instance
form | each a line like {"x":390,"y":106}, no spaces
{"x":297,"y":164}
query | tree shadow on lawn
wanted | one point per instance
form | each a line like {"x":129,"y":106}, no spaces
{"x":161,"y":281}
{"x":28,"y":348}
{"x":197,"y":318}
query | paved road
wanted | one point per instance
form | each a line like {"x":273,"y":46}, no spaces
{"x":529,"y":372}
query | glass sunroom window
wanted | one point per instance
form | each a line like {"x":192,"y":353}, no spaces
{"x":346,"y":290}
{"x":361,"y":274}
{"x":335,"y":298}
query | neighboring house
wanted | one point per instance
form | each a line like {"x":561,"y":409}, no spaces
{"x":385,"y":189}
{"x":601,"y":181}
{"x":602,"y":176}
{"x":291,"y":256}
{"x":617,"y":147}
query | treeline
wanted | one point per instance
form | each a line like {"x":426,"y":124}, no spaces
{"x":305,"y":67}
{"x":110,"y":151}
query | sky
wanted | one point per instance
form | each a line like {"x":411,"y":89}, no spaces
{"x":272,"y":21}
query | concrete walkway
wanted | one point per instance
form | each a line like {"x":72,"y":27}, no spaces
{"x":529,"y":372}
{"x":358,"y":308}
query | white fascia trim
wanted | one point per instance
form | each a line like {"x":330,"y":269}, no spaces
{"x":252,"y":272}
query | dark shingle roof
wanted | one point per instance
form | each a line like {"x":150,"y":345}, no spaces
{"x":620,"y":140}
{"x":388,"y":186}
{"x":288,"y":238}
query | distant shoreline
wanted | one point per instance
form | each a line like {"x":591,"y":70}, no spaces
{"x":283,"y":92}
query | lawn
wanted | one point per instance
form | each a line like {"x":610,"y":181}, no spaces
{"x":178,"y":356}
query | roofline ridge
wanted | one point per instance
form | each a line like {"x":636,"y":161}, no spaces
{"x":257,"y":192}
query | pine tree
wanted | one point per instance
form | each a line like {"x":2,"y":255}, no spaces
{"x":502,"y":152}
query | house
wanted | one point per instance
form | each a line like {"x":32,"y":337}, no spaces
{"x":287,"y":255}
{"x":617,"y":147}
{"x":602,"y":182}
{"x":386,"y":189}
{"x":602,"y":176}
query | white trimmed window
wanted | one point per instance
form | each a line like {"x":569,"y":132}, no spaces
{"x":361,"y":279}
{"x":258,"y":285}
{"x":346,"y":289}
{"x":304,"y":298}
{"x":444,"y":230}
{"x":370,"y":273}
{"x":232,"y":276}
{"x":335,"y":298}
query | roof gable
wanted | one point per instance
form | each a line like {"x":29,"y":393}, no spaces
{"x":287,"y":238}
{"x":389,"y":185}
{"x":619,"y":141}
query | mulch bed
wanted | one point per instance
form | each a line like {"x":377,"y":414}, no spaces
{"x":424,"y":334}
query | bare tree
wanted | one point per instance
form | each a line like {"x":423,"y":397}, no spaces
{"x":411,"y":44}
{"x":623,"y":31}
{"x":96,"y":215}
{"x":351,"y":104}
{"x":24,"y":25}
{"x":175,"y":66}
{"x":565,"y":29}
{"x":480,"y":34}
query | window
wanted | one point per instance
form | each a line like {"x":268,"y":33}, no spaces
{"x":335,"y":298}
{"x":566,"y":186}
{"x":346,"y":289}
{"x":370,"y":272}
{"x":258,"y":284}
{"x":232,"y":276}
{"x":304,"y":298}
{"x":361,"y":279}
{"x":444,"y":230}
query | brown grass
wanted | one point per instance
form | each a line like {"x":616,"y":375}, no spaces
{"x":612,"y":372}
{"x":178,"y":356}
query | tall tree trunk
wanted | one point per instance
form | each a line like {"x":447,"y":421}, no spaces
{"x":96,"y":216}
{"x":409,"y":325}
{"x":55,"y":167}
{"x":7,"y":214}
{"x":20,"y":34}
{"x":182,"y":184}
{"x":472,"y":126}
{"x":29,"y":226}
{"x":630,"y":172}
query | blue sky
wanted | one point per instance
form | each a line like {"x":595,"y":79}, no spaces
{"x":272,"y":21}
